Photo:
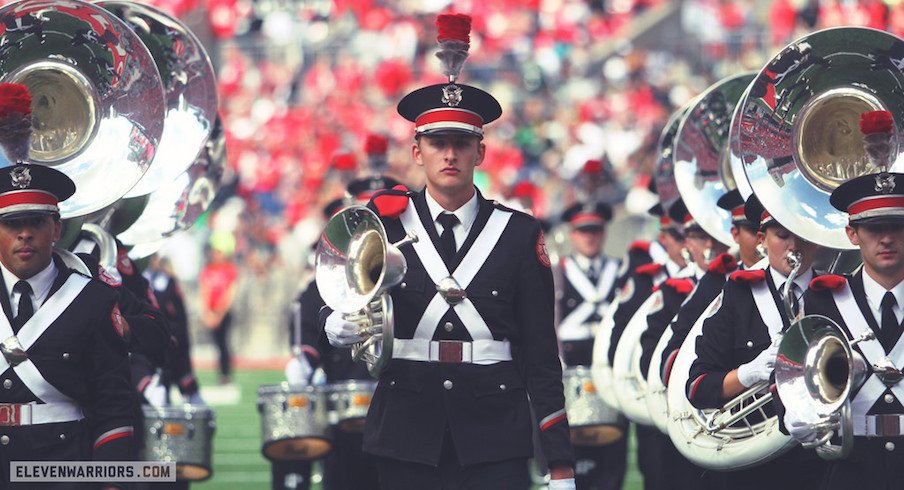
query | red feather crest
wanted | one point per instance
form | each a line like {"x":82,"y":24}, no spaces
{"x":876,"y":122}
{"x":14,"y":97}
{"x":453,"y":27}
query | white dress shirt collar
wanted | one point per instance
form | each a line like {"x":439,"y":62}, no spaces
{"x":40,"y":285}
{"x":466,"y":214}
{"x":588,"y":264}
{"x":875,"y":292}
{"x":802,"y":280}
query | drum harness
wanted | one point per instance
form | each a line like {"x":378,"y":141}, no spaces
{"x":482,"y":349}
{"x":879,"y":425}
{"x":56,"y":406}
{"x":575,"y":326}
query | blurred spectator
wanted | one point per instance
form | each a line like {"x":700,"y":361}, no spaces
{"x":217,"y":287}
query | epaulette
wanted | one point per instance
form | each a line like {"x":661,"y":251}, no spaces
{"x":680,"y":285}
{"x":723,"y":264}
{"x":827,"y":282}
{"x":391,"y":203}
{"x":751,"y":276}
{"x":639,"y":246}
{"x":650,"y":269}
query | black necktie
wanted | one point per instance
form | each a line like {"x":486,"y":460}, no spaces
{"x":593,"y":273}
{"x":26,"y":309}
{"x":890,"y":329}
{"x":447,"y":238}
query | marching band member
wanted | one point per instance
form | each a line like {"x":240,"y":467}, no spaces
{"x":649,"y":265}
{"x":451,"y":409}
{"x":870,"y":300}
{"x":588,"y":285}
{"x":737,"y":348}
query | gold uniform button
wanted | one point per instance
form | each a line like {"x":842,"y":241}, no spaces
{"x":447,"y":384}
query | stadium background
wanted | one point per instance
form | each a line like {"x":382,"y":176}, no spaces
{"x":303,"y":82}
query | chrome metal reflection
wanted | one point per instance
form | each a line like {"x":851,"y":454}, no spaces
{"x":664,"y":175}
{"x":700,"y":154}
{"x":175,"y":206}
{"x":799,"y":132}
{"x":189,"y":83}
{"x":735,"y":157}
{"x":97,"y":96}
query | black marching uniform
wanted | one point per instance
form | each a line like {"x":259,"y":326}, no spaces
{"x":452,"y":413}
{"x":734,"y":335}
{"x":584,"y":294}
{"x":84,"y":411}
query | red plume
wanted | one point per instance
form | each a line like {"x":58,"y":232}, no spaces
{"x":344,"y":161}
{"x":593,"y":167}
{"x":454,"y":41}
{"x":876,"y":122}
{"x":877,"y":128}
{"x":15,"y":121}
{"x":376,"y":144}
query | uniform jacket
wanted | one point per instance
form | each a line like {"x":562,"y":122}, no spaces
{"x":485,"y":407}
{"x":579,"y":351}
{"x":83,"y":355}
{"x":875,"y":462}
{"x":674,"y":292}
{"x":178,"y":367}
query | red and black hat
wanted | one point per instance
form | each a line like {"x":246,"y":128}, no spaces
{"x":734,"y":203}
{"x":665,"y":222}
{"x":588,"y":215}
{"x":757,"y":214}
{"x":31,"y":190}
{"x":362,"y":189}
{"x":334,"y":207}
{"x":871,"y":198}
{"x":450,"y":107}
{"x":680,"y":215}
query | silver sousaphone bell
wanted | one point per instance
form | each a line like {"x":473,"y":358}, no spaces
{"x":355,"y":267}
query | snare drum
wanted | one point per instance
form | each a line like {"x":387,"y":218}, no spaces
{"x":592,"y":422}
{"x":181,"y":434}
{"x":293,"y":422}
{"x":349,"y":401}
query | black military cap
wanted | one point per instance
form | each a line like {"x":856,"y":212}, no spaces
{"x":333,"y":207}
{"x":449,"y":107}
{"x":665,"y":223}
{"x":587,"y":215}
{"x":732,"y":202}
{"x":32,"y":190}
{"x":679,"y":214}
{"x":362,"y":189}
{"x":757,"y":214}
{"x":873,"y":198}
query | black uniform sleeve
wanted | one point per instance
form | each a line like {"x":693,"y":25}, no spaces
{"x":108,"y":406}
{"x":309,"y":303}
{"x":714,"y":350}
{"x":534,"y":306}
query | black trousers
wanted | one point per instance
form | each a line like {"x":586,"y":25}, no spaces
{"x":221,"y":339}
{"x":601,"y":467}
{"x":64,"y":441}
{"x":347,"y":466}
{"x":649,"y":456}
{"x":290,"y":475}
{"x":510,"y":474}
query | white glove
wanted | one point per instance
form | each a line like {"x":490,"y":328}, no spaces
{"x":195,"y":399}
{"x":760,"y":368}
{"x":155,"y":392}
{"x":298,"y":370}
{"x":340,"y":332}
{"x":800,"y":430}
{"x":564,"y":484}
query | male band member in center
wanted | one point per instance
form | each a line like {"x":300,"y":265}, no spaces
{"x":658,"y":261}
{"x":587,"y":287}
{"x":474,"y":315}
{"x":737,"y":349}
{"x":872,"y":300}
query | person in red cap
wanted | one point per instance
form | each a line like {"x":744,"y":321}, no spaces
{"x":868,"y":301}
{"x":474,"y":350}
{"x":64,"y":370}
{"x":739,"y":343}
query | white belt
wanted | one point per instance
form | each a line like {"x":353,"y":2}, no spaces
{"x":881,"y":425}
{"x":14,"y":414}
{"x":454,"y":351}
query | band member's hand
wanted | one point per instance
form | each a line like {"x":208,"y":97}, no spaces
{"x":800,"y":430}
{"x":155,"y":392}
{"x":340,"y":332}
{"x":298,"y":370}
{"x":566,"y":484}
{"x":760,"y":368}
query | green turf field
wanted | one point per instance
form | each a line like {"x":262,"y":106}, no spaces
{"x":238,"y":464}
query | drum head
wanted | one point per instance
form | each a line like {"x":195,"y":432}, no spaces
{"x":192,"y":472}
{"x":296,"y":449}
{"x":601,"y":435}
